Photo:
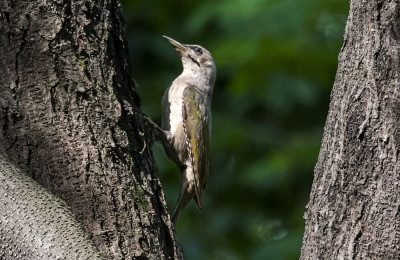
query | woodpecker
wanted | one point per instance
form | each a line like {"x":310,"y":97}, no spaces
{"x":186,"y":121}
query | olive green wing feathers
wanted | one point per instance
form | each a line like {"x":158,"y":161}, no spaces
{"x":196,"y":122}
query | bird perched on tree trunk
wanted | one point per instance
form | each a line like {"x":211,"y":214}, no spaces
{"x":186,"y":121}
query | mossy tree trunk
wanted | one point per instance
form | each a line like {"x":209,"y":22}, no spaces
{"x":70,"y":119}
{"x":354,"y":208}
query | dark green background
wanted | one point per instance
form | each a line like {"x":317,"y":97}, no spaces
{"x":276,"y":62}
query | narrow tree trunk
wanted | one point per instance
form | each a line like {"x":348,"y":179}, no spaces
{"x":70,"y":119}
{"x":354,"y":208}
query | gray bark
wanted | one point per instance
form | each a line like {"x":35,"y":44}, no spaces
{"x":70,"y":119}
{"x":354,"y":208}
{"x":33,"y":219}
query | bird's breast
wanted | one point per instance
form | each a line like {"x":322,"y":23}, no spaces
{"x":175,"y":117}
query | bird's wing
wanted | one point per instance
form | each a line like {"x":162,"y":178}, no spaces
{"x":195,"y":121}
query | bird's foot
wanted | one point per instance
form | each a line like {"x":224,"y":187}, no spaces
{"x":148,"y":122}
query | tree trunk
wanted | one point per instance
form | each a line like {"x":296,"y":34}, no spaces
{"x":354,"y":208}
{"x":70,"y":119}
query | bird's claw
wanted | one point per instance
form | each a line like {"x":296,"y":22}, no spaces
{"x":149,"y":122}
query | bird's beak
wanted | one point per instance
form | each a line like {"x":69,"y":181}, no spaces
{"x":178,"y":46}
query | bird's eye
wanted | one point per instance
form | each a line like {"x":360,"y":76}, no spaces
{"x":198,"y":51}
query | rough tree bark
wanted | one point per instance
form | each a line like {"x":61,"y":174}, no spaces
{"x":35,"y":224}
{"x":354,"y":208}
{"x":70,"y":119}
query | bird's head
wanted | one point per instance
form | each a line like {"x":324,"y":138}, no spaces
{"x":194,"y":57}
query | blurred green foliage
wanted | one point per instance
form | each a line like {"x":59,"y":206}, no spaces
{"x":276,"y":62}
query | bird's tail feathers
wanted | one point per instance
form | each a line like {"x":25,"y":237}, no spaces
{"x":184,"y":198}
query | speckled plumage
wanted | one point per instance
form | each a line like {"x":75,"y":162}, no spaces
{"x":186,"y":120}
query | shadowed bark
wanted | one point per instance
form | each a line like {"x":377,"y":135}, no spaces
{"x":354,"y":205}
{"x":70,"y":119}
